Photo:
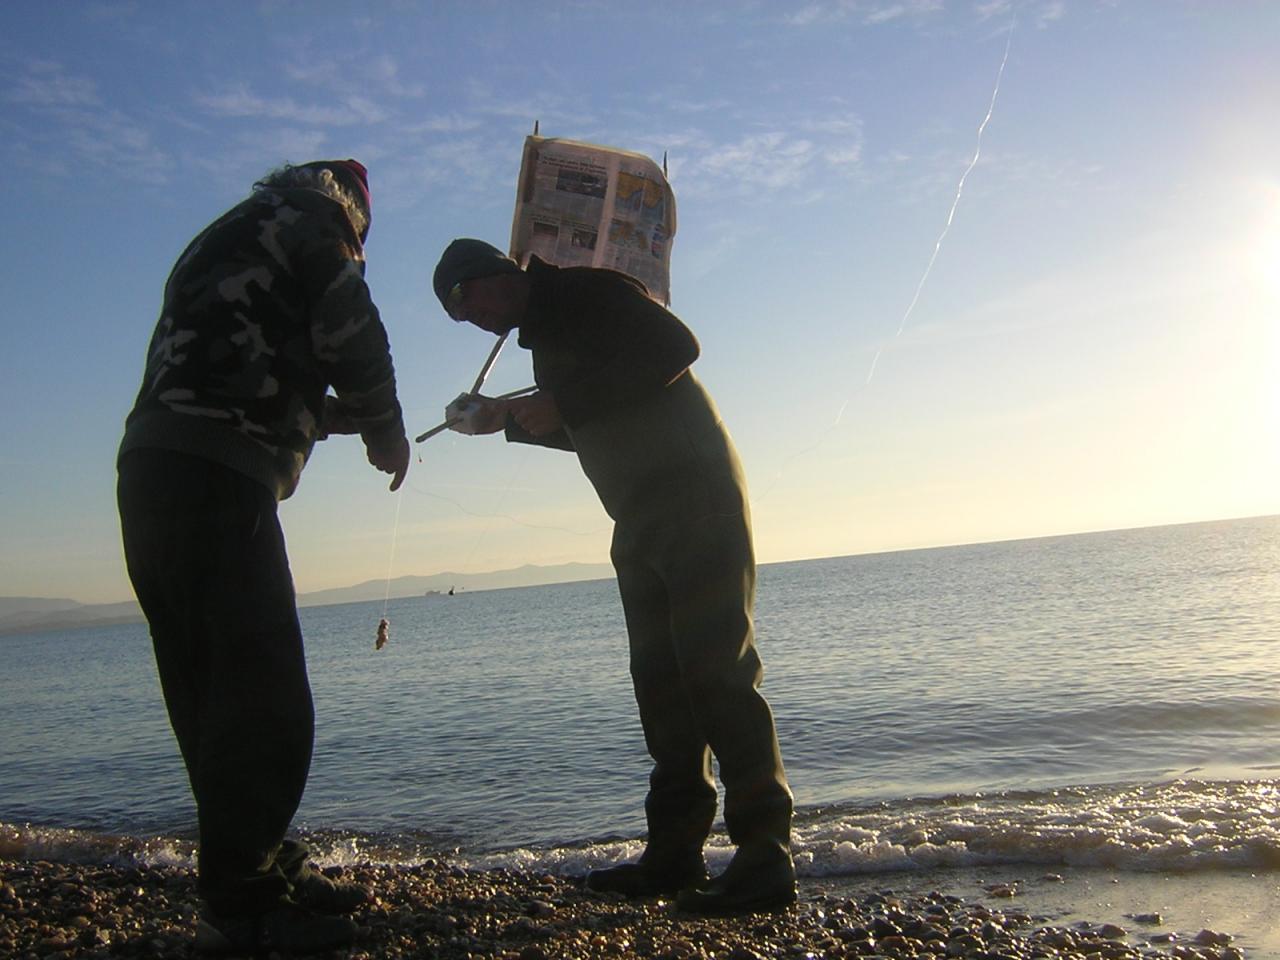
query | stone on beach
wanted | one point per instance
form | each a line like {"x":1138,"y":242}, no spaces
{"x":80,"y":912}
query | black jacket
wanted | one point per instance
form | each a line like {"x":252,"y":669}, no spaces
{"x":647,"y":434}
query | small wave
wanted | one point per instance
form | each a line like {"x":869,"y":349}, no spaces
{"x":73,"y":845}
{"x":1181,"y":825}
{"x":69,"y":845}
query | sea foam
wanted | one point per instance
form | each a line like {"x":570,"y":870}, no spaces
{"x":1182,"y":825}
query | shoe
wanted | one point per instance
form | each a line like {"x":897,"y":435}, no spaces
{"x":313,"y":890}
{"x":287,"y":928}
{"x":652,"y":876}
{"x":756,"y":880}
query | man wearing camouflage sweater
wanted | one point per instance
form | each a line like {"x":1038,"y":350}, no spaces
{"x":265,"y":311}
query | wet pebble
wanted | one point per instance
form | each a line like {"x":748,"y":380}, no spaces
{"x":1211,"y":938}
{"x":540,"y":908}
{"x":437,"y":909}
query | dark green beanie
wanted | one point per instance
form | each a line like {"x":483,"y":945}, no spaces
{"x":467,"y":260}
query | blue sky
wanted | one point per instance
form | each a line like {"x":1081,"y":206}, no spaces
{"x":1096,"y":345}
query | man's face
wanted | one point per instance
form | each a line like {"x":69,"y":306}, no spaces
{"x":490,"y":303}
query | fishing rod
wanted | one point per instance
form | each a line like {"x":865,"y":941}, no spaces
{"x":465,"y":405}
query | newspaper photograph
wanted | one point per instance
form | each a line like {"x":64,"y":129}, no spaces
{"x":581,"y":204}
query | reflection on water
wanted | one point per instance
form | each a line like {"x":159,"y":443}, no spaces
{"x":505,"y":718}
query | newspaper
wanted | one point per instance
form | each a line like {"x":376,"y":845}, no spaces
{"x":579,"y":204}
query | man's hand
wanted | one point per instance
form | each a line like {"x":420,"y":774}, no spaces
{"x":390,"y":457}
{"x":490,"y":415}
{"x":474,"y":414}
{"x":537,"y":414}
{"x":335,"y":419}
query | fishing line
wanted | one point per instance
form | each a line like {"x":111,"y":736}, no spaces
{"x":505,"y":516}
{"x":477,"y":540}
{"x":924,"y":277}
{"x":504,"y":495}
{"x":395,"y":532}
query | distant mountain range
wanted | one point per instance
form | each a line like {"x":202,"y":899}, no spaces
{"x":35,"y":614}
{"x":530,"y":575}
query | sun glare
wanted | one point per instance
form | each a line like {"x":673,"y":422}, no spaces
{"x":1267,"y":250}
{"x":1267,"y":264}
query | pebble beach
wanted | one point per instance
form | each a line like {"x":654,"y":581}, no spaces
{"x":439,"y":910}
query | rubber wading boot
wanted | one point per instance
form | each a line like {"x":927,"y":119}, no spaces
{"x":759,"y":877}
{"x":287,"y":928}
{"x":315,"y":891}
{"x":652,"y":875}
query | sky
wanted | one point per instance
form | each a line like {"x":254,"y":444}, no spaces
{"x":923,"y":324}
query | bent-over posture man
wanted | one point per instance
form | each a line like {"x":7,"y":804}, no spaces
{"x":265,"y":310}
{"x":614,"y":386}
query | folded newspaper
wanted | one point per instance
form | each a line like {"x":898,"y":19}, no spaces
{"x":583,"y":205}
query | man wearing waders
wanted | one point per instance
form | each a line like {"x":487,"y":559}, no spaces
{"x":614,"y":386}
{"x":265,"y":310}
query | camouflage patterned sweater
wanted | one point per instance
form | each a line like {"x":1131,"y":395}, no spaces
{"x":264,"y":311}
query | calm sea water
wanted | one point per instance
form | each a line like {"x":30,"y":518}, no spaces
{"x":1102,"y":699}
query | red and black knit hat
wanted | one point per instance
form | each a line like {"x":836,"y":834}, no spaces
{"x":355,"y":177}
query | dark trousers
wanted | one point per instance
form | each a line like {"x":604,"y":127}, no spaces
{"x":207,"y":559}
{"x":688,"y":586}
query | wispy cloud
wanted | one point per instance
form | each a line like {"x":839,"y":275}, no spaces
{"x":1041,"y":13}
{"x":684,"y":106}
{"x":871,"y":14}
{"x":47,"y":84}
{"x":468,"y":160}
{"x":843,"y":156}
{"x":774,"y":160}
{"x":1050,"y":12}
{"x":799,"y":158}
{"x":62,"y":124}
{"x":442,"y":124}
{"x":115,"y":142}
{"x":292,"y":144}
{"x":874,"y":14}
{"x":385,"y":70}
{"x":993,"y":8}
{"x":242,"y":102}
{"x":376,"y":76}
{"x":883,"y":13}
{"x":809,"y":14}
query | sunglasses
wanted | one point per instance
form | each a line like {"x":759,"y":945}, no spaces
{"x":453,"y":301}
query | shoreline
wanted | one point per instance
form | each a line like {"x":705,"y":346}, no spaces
{"x":1157,"y":910}
{"x":437,"y":909}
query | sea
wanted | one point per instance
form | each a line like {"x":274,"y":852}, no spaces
{"x":1096,"y":700}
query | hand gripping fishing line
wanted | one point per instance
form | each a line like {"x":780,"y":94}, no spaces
{"x":465,"y":406}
